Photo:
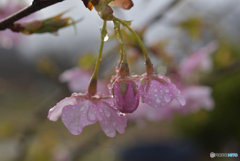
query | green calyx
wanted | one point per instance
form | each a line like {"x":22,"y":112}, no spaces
{"x":104,"y":11}
{"x":123,"y":87}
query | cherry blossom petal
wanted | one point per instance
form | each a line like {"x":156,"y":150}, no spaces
{"x":109,"y":119}
{"x":157,"y":94}
{"x":197,"y":97}
{"x":55,"y":112}
{"x":76,"y":117}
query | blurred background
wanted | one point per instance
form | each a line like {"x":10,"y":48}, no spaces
{"x":194,"y":42}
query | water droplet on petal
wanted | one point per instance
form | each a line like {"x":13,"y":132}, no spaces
{"x":121,"y":114}
{"x":167,"y":97}
{"x":99,"y":116}
{"x":111,"y":133}
{"x":167,"y":90}
{"x":106,"y":38}
{"x":91,"y":115}
{"x":181,"y":100}
{"x":82,"y":108}
{"x":114,"y":123}
{"x":158,"y":100}
{"x":100,"y":109}
{"x":106,"y":129}
{"x":74,"y":94}
{"x":107,"y":113}
{"x":155,"y":90}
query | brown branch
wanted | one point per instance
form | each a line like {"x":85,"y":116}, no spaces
{"x":34,"y":7}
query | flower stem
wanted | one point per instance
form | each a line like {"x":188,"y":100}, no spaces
{"x":92,"y":88}
{"x":148,"y":63}
{"x":123,"y":64}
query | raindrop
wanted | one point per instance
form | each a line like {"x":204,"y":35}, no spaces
{"x":74,"y":94}
{"x":114,"y":123}
{"x":106,"y":129}
{"x":91,"y":115}
{"x":167,"y":90}
{"x":155,"y":90}
{"x":111,"y":133}
{"x":106,"y":38}
{"x":121,"y":114}
{"x":107,"y":113}
{"x":99,"y":116}
{"x":82,"y":108}
{"x":167,"y":98}
{"x":158,"y":100}
{"x":181,"y":100}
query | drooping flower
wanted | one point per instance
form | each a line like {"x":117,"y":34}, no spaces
{"x":81,"y":110}
{"x":125,"y":95}
{"x":158,"y":91}
{"x":78,"y":80}
{"x":197,"y":98}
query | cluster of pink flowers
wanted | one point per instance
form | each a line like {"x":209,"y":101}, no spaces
{"x":197,"y":96}
{"x":148,"y":96}
{"x":111,"y":111}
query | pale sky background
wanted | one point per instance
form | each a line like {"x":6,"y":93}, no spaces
{"x":88,"y":36}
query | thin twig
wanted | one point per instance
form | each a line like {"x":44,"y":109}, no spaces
{"x":162,"y":12}
{"x":34,"y":7}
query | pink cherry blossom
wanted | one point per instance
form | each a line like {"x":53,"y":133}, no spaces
{"x":197,"y":97}
{"x":199,"y":59}
{"x":78,"y":80}
{"x":8,"y":38}
{"x":158,"y":91}
{"x":125,"y":95}
{"x":79,"y":111}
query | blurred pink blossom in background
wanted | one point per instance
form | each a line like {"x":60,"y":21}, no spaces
{"x":78,"y":80}
{"x":8,"y":38}
{"x":200,"y":60}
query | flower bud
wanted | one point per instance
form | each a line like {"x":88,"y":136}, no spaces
{"x":125,"y":95}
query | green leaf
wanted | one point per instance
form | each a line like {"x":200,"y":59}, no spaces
{"x":50,"y":25}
